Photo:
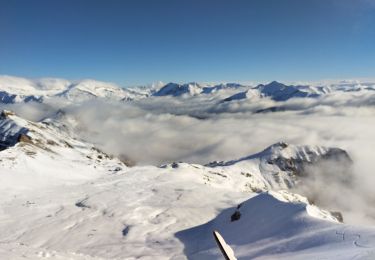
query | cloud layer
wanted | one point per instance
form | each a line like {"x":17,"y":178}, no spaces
{"x":202,"y":129}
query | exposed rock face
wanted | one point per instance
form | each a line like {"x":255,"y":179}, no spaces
{"x":6,"y":98}
{"x":298,"y":164}
{"x":235,"y":216}
{"x":24,"y":138}
{"x":338,"y":215}
{"x":126,"y":160}
{"x":280,"y":92}
{"x":5,"y":113}
{"x":285,"y":166}
{"x":10,"y":132}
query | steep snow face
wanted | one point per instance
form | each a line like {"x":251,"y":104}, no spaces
{"x":281,"y":166}
{"x":248,"y":94}
{"x":220,"y":87}
{"x":280,"y":92}
{"x":45,"y":151}
{"x":174,"y":89}
{"x":10,"y":130}
{"x":278,"y":225}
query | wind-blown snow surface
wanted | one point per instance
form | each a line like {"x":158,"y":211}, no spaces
{"x":63,"y":198}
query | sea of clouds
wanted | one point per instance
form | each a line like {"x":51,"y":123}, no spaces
{"x":201,"y":129}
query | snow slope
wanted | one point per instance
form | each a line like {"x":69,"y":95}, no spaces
{"x":45,"y":153}
{"x":279,"y":225}
{"x":280,"y":166}
{"x":62,"y":198}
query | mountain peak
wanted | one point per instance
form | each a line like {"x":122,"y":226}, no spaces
{"x":174,"y":89}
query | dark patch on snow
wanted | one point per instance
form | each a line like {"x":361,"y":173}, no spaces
{"x":126,"y":160}
{"x":174,"y":165}
{"x":338,"y":215}
{"x":125,"y":231}
{"x":235,"y":216}
{"x":82,"y":204}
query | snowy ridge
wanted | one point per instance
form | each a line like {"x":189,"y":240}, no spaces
{"x":90,"y":89}
{"x":279,"y":92}
{"x":13,"y":90}
{"x":195,"y":89}
{"x":248,"y":94}
{"x":280,"y":165}
{"x":174,"y":89}
{"x":33,"y":149}
{"x":278,"y":225}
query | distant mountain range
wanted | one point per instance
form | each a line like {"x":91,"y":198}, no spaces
{"x":14,"y":90}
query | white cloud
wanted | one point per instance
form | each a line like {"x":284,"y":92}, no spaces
{"x":157,"y":130}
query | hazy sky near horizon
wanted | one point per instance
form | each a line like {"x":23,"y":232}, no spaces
{"x":139,"y":42}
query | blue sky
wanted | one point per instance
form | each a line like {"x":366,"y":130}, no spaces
{"x":139,"y":41}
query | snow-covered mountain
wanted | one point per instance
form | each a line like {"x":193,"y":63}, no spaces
{"x":249,"y":94}
{"x":280,"y":92}
{"x":174,"y":89}
{"x":223,"y":86}
{"x":280,"y":166}
{"x":195,"y":89}
{"x":13,"y":90}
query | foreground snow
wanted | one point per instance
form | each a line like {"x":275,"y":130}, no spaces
{"x":137,"y":215}
{"x":280,"y":226}
{"x":62,"y":198}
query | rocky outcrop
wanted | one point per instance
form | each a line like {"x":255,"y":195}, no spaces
{"x":298,"y":163}
{"x":10,"y":132}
